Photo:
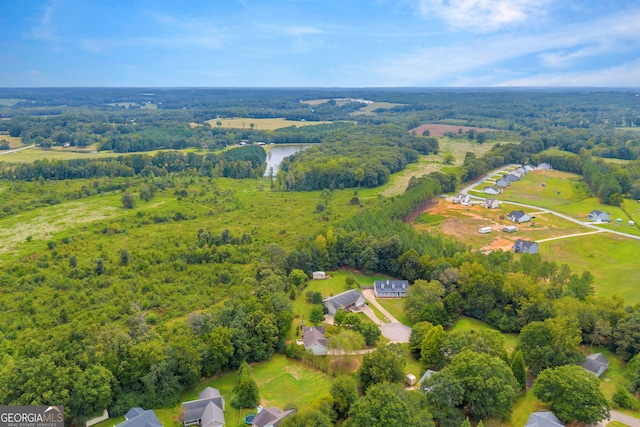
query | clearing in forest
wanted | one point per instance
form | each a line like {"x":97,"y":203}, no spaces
{"x":436,"y":129}
{"x":261,"y":124}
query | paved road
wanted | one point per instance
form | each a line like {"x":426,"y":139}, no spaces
{"x":16,"y":150}
{"x":538,"y":208}
{"x":393,"y":330}
{"x":621,"y":418}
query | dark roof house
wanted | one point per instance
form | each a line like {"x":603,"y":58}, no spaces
{"x":313,"y":339}
{"x":525,"y":247}
{"x":518,"y":216}
{"x":512,"y":177}
{"x":543,"y":419}
{"x":596,"y":364}
{"x":138,"y":417}
{"x":503,"y":183}
{"x":271,"y":417}
{"x":599,"y":216}
{"x":351,"y":299}
{"x":207,"y":411}
{"x":390,"y":288}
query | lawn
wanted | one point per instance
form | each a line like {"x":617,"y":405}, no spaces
{"x":467,"y":323}
{"x":261,"y":124}
{"x":395,"y":306}
{"x":613,"y":260}
{"x":546,"y":189}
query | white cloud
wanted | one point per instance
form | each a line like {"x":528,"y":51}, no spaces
{"x":301,"y":31}
{"x":482,"y":15}
{"x":45,"y":28}
{"x":564,"y":46}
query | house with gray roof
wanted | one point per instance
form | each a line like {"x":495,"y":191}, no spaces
{"x":349,"y":300}
{"x":491,"y":203}
{"x":492,"y":190}
{"x":390,"y":288}
{"x":596,"y":363}
{"x":525,"y":247}
{"x":545,"y":166}
{"x":512,"y":177}
{"x":521,"y":170}
{"x":543,"y":419}
{"x":207,"y":411}
{"x":518,"y":216}
{"x":599,"y":216}
{"x":503,"y":183}
{"x":270,"y":417}
{"x":313,"y":339}
{"x":138,"y":417}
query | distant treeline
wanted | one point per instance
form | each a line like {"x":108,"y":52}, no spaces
{"x":240,"y":162}
{"x":362,"y":156}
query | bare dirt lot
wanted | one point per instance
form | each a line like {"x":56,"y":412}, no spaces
{"x":440,"y":130}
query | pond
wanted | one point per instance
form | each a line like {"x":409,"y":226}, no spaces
{"x":278,"y":152}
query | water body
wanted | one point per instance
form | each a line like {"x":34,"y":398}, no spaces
{"x":279,"y":151}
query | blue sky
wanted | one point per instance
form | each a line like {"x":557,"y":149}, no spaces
{"x":326,"y":43}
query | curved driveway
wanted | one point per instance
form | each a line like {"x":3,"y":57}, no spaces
{"x":538,"y":208}
{"x":392,"y":330}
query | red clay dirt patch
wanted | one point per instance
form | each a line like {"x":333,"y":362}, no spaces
{"x":440,"y":130}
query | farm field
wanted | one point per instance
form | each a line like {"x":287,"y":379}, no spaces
{"x":33,"y":154}
{"x":545,"y":189}
{"x":613,"y":260}
{"x":437,"y":129}
{"x":369,"y":109}
{"x":261,"y":124}
{"x":463,"y":223}
{"x":14,"y":141}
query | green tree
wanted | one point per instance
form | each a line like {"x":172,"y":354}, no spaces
{"x":344,"y":343}
{"x":317,"y":314}
{"x":246,"y":393}
{"x":627,"y":336}
{"x":421,"y":294}
{"x":518,"y":368}
{"x":390,"y":405}
{"x":147,"y":192}
{"x":339,"y":317}
{"x":385,"y":364}
{"x":418,"y":332}
{"x":307,"y":418}
{"x":124,"y":257}
{"x":345,"y":392}
{"x":572,"y":393}
{"x":218,"y":350}
{"x":297,"y":277}
{"x":128,"y":201}
{"x":430,"y":355}
{"x":370,"y":332}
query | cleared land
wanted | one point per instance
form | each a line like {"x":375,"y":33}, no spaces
{"x":436,"y":129}
{"x":369,"y":109}
{"x":261,"y":124}
{"x":14,"y":141}
{"x":33,"y":154}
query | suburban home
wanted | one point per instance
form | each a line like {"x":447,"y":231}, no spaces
{"x":313,"y":339}
{"x":319,"y":275}
{"x":492,"y":190}
{"x":596,"y":364}
{"x":544,"y":166}
{"x":207,"y":411}
{"x":543,"y":419}
{"x":518,"y":216}
{"x":521,"y":170}
{"x":491,"y":203}
{"x":270,"y":417}
{"x":599,"y":216}
{"x":349,"y":300}
{"x":390,"y":288}
{"x":462,"y":199}
{"x":512,"y":177}
{"x":510,"y":229}
{"x":503,"y":183}
{"x":138,"y":417}
{"x":529,"y":168}
{"x":424,"y":377}
{"x":517,"y":173}
{"x":525,"y":247}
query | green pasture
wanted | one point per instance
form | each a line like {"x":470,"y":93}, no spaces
{"x":14,"y":142}
{"x":261,"y":124}
{"x":369,"y":109}
{"x":530,"y":189}
{"x":467,"y":323}
{"x":36,"y":153}
{"x":9,"y":102}
{"x":613,"y":260}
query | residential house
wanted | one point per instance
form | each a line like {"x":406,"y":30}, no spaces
{"x":492,"y":190}
{"x":319,"y":275}
{"x":596,"y":363}
{"x":270,"y":417}
{"x":517,"y":173}
{"x":463,"y":199}
{"x":529,"y":168}
{"x":207,"y":411}
{"x":390,"y":288}
{"x":521,"y":170}
{"x":313,"y":339}
{"x":544,"y":166}
{"x":491,"y":203}
{"x":138,"y":417}
{"x":512,"y":177}
{"x":349,"y":300}
{"x":543,"y":419}
{"x":503,"y":183}
{"x":518,"y":216}
{"x":525,"y":247}
{"x":599,"y":216}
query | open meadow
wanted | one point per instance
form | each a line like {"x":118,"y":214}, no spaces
{"x":370,"y":109}
{"x":14,"y":141}
{"x":261,"y":124}
{"x":32,"y":154}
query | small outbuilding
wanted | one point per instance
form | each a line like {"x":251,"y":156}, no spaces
{"x":410,"y":380}
{"x":319,"y":275}
{"x":596,"y":363}
{"x":510,"y":229}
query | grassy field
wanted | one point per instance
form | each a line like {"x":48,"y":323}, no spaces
{"x":546,"y":189}
{"x":395,"y":306}
{"x":369,"y":109}
{"x":467,"y":323}
{"x":613,"y":260}
{"x":14,"y":141}
{"x":261,"y":124}
{"x":33,"y":154}
{"x":9,"y":102}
